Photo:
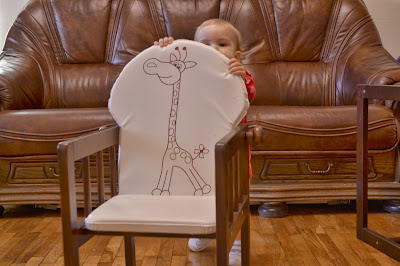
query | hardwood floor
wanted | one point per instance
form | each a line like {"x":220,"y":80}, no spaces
{"x":312,"y":235}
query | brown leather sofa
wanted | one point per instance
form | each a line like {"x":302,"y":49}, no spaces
{"x":61,"y":58}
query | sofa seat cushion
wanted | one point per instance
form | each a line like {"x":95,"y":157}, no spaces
{"x":321,"y":128}
{"x":38,"y":131}
{"x":155,"y":214}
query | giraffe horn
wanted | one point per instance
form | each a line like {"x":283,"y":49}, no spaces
{"x":179,"y":53}
{"x":185,"y":53}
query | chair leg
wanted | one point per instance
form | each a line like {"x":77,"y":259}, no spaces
{"x":71,"y":250}
{"x":246,"y":242}
{"x":130,"y":258}
{"x":222,"y":254}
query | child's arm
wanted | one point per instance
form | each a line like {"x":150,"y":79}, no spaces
{"x":250,"y":86}
{"x":236,"y":68}
{"x":164,"y":41}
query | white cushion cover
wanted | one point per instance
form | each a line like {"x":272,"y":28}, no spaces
{"x":153,"y":214}
{"x":211,"y":102}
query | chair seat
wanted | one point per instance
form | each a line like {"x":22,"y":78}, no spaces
{"x":155,"y":214}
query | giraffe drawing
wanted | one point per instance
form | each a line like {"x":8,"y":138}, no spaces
{"x":169,"y":73}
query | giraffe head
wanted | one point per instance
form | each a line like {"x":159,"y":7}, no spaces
{"x":169,"y":72}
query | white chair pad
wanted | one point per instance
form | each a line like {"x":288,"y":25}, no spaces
{"x":153,"y":214}
{"x":168,"y":131}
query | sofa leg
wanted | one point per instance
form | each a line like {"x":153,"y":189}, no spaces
{"x":273,"y":210}
{"x":1,"y":210}
{"x":392,"y":206}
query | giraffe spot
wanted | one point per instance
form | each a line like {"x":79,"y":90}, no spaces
{"x":171,"y":131}
{"x":176,"y":101}
{"x":175,"y":93}
{"x":178,"y":85}
{"x":170,"y":145}
{"x":183,"y":155}
{"x":172,"y":156}
{"x":173,"y":139}
{"x":188,"y":160}
{"x":173,"y":113}
{"x":173,"y":122}
{"x":177,"y":150}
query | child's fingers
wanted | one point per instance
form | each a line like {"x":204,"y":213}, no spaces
{"x":233,"y":61}
{"x":238,"y":71}
{"x":164,"y":41}
{"x":235,"y":65}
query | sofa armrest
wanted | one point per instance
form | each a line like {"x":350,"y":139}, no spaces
{"x":368,"y":65}
{"x":382,"y":91}
{"x":21,"y":84}
{"x":393,"y":104}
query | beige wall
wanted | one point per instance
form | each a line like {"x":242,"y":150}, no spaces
{"x":9,"y":9}
{"x":386,"y":14}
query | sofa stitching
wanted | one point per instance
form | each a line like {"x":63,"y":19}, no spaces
{"x":324,"y":131}
{"x":10,"y":134}
{"x":327,"y":45}
{"x":268,"y":26}
{"x":55,"y":42}
{"x":110,"y":52}
{"x":154,"y":15}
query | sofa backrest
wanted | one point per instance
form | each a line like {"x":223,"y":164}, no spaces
{"x":295,"y":49}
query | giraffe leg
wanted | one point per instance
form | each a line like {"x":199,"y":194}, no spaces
{"x":166,"y":173}
{"x":200,"y":186}
{"x":167,"y":181}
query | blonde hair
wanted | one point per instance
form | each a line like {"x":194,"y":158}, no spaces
{"x":221,"y":22}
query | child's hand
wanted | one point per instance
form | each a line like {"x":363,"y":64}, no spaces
{"x":164,"y":41}
{"x":236,"y":68}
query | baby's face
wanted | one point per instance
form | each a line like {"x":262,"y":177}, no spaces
{"x":221,"y":38}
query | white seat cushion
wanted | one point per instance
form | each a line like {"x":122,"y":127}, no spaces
{"x":153,"y":214}
{"x":166,"y":154}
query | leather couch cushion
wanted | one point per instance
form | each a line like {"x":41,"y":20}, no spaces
{"x":82,"y":85}
{"x":321,"y":128}
{"x":38,"y":131}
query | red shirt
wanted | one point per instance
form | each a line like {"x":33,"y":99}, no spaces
{"x":251,"y":90}
{"x":251,"y":94}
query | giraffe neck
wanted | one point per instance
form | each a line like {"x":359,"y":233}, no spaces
{"x":173,"y":113}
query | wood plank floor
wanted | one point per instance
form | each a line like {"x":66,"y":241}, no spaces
{"x":312,"y":235}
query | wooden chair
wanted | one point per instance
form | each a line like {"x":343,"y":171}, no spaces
{"x":389,"y":246}
{"x":221,"y":216}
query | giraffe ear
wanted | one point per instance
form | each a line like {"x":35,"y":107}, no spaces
{"x":172,"y":57}
{"x":190,"y":64}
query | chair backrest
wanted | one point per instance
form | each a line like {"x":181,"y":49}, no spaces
{"x":296,"y":50}
{"x":173,"y":104}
